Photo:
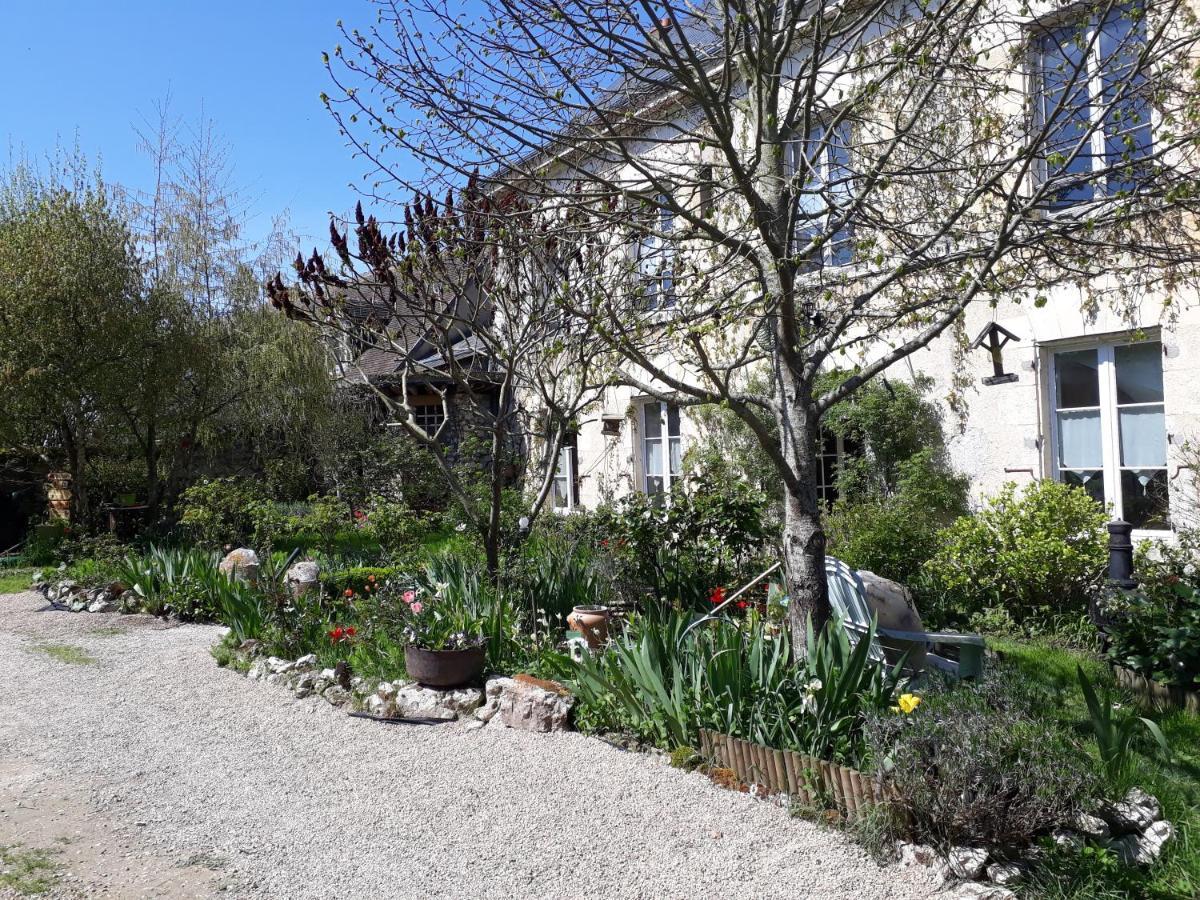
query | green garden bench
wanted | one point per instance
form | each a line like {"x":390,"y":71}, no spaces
{"x":848,"y":597}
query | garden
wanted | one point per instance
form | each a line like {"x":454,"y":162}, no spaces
{"x":1050,"y":775}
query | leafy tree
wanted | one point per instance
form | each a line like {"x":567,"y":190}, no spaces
{"x":70,"y":291}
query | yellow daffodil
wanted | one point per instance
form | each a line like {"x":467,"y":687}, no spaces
{"x":908,"y":702}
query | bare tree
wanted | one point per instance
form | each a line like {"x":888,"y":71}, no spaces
{"x":461,"y":311}
{"x":819,"y":185}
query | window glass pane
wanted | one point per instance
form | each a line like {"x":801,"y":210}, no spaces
{"x":1143,"y":436}
{"x":1078,"y":381}
{"x":1065,"y":106}
{"x":1139,"y":373}
{"x":1144,"y":498}
{"x":652,"y":420}
{"x":654,"y":460}
{"x":672,"y":420}
{"x":1079,"y":445}
{"x":675,"y":451}
{"x":1090,"y":481}
{"x":1127,"y":136}
{"x":560,"y":493}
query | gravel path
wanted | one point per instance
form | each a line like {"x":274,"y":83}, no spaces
{"x":149,"y":772}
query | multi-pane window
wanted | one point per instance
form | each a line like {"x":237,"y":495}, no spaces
{"x":563,"y":488}
{"x":662,"y":448}
{"x":656,"y":255}
{"x":1109,"y":428}
{"x":824,"y":191}
{"x":1093,"y":103}
{"x":428,"y":413}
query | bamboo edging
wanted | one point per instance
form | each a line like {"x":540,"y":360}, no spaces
{"x":1156,"y":696}
{"x":813,"y":782}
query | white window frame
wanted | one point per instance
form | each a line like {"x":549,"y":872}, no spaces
{"x":656,"y":256}
{"x":1095,"y":89}
{"x":823,"y":168}
{"x":1110,"y":433}
{"x":567,"y":454}
{"x":662,"y":410}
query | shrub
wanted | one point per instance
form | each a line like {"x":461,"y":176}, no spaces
{"x":395,"y":526}
{"x":221,"y":511}
{"x":974,"y":765}
{"x":711,"y":534}
{"x":1155,"y":630}
{"x":893,"y":534}
{"x":1038,"y":554}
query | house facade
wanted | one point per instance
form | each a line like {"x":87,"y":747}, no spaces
{"x":1065,"y":389}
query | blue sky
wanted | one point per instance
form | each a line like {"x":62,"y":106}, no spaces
{"x":90,"y":71}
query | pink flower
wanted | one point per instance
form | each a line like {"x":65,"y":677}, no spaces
{"x":417,"y":607}
{"x":409,"y":597}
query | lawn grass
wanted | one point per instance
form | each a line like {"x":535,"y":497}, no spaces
{"x":27,"y":872}
{"x":66,"y":653}
{"x":13,"y":581}
{"x":1175,"y":782}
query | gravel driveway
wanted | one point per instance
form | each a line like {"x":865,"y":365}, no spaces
{"x":146,"y":771}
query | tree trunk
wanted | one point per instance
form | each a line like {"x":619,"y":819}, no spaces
{"x":152,"y":481}
{"x":803,"y":532}
{"x":804,"y":565}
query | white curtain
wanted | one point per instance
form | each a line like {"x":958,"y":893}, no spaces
{"x":1143,"y":436}
{"x":1079,"y":444}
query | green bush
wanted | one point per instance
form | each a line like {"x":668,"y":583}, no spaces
{"x":974,"y":765}
{"x":221,"y":512}
{"x":396,"y":527}
{"x":1038,"y":554}
{"x":893,"y":534}
{"x":712,"y":534}
{"x":1155,"y":630}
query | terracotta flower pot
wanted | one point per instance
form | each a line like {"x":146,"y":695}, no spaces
{"x":592,"y":623}
{"x":443,"y":668}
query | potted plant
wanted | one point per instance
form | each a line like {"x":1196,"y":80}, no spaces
{"x":444,"y":647}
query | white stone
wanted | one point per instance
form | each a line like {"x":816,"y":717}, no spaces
{"x":386,"y":690}
{"x":278,"y":666}
{"x":1134,"y":814}
{"x":305,"y":685}
{"x":378,"y":706}
{"x":418,"y":702}
{"x":530,"y":707}
{"x":102,"y":605}
{"x":306,"y":662}
{"x":337,"y":695}
{"x":967,"y":863}
{"x":1091,"y":827}
{"x":302,"y":577}
{"x":1005,"y":873}
{"x":973,"y":890}
{"x":242,"y":564}
{"x":488,"y":711}
{"x":1143,"y":849}
{"x":916,"y":855}
{"x":1068,"y":840}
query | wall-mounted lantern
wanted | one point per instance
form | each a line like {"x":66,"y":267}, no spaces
{"x":994,"y":338}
